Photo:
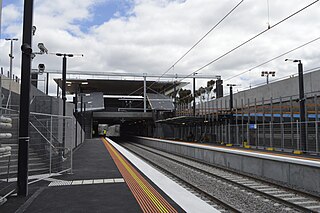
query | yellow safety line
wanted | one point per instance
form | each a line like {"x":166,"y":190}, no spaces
{"x":141,"y":184}
{"x":253,"y":151}
{"x":151,"y":196}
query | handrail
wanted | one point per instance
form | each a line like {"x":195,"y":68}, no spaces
{"x":56,"y":148}
{"x":51,"y":115}
{"x":42,"y":134}
{"x":37,"y":113}
{"x":54,"y":137}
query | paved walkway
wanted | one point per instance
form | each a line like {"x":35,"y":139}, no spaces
{"x":96,"y":185}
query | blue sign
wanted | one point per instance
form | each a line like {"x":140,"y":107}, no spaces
{"x":252,"y":126}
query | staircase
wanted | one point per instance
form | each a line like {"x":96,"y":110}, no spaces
{"x":38,"y":162}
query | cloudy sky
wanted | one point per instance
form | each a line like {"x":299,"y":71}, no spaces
{"x":149,"y":36}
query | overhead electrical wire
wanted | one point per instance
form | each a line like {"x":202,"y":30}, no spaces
{"x":284,"y":77}
{"x":259,"y":84}
{"x":193,"y":46}
{"x":203,"y":37}
{"x":268,"y":61}
{"x":252,"y":38}
{"x":249,"y":40}
{"x":272,"y":59}
{"x":279,"y":56}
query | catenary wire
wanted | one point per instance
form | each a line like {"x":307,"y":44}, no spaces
{"x":268,"y":61}
{"x":252,"y":38}
{"x":249,"y":40}
{"x":198,"y":42}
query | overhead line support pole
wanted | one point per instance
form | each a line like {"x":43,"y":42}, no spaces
{"x":194,"y":94}
{"x":144,"y":92}
{"x":302,"y":108}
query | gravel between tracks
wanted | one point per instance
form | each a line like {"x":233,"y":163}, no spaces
{"x":243,"y":200}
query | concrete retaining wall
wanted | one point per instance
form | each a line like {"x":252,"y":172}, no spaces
{"x":298,"y":175}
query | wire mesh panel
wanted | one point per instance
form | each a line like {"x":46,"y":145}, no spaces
{"x":8,"y":146}
{"x":312,"y":136}
{"x":277,"y":135}
{"x":51,"y":141}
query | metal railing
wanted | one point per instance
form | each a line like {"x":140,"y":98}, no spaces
{"x":284,"y":136}
{"x":47,"y":154}
{"x":54,"y":147}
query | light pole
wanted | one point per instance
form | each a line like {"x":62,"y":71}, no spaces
{"x":303,"y":137}
{"x":267,"y":73}
{"x":231,"y":96}
{"x":23,"y":150}
{"x":63,"y":88}
{"x":231,"y":111}
{"x":10,"y":72}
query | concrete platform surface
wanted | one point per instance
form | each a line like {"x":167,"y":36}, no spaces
{"x":96,"y":185}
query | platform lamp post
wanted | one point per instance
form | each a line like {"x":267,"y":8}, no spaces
{"x":231,"y":109}
{"x":231,"y":96}
{"x":267,"y":73}
{"x":63,"y":88}
{"x":303,"y":136}
{"x":10,"y":72}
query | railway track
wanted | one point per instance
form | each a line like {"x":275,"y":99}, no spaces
{"x":217,"y":203}
{"x":293,"y":199}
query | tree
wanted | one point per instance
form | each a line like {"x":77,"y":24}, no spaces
{"x":184,"y":96}
{"x":209,"y":87}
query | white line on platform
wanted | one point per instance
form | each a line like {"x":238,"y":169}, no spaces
{"x":185,"y":199}
{"x":86,"y":182}
{"x":288,"y":159}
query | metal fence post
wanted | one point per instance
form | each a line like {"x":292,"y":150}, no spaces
{"x":50,"y":154}
{"x":229,"y":133}
{"x":271,"y":145}
{"x":248,"y":134}
{"x":282,"y":135}
{"x":237,"y":134}
{"x":298,"y":135}
{"x":291,"y":122}
{"x":71,"y":160}
{"x":263,"y":122}
{"x":258,"y":135}
{"x":317,"y":142}
{"x":316,"y":121}
{"x":242,"y":123}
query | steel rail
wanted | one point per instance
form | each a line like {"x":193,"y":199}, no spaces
{"x":277,"y":199}
{"x":186,"y":183}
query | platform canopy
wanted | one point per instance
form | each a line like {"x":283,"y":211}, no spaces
{"x":160,"y":102}
{"x":183,"y":120}
{"x":116,"y":87}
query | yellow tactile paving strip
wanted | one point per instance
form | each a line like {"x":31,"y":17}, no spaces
{"x":268,"y":153}
{"x":147,"y":197}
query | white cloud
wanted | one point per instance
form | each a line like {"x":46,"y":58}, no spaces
{"x":155,"y":33}
{"x":11,"y":13}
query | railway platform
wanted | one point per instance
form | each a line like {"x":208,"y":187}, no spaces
{"x":301,"y":172}
{"x":106,"y":178}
